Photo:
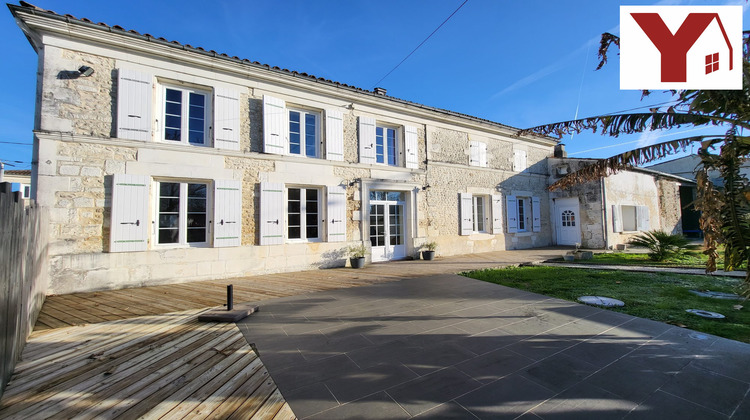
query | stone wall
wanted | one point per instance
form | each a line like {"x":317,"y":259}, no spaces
{"x":74,"y":103}
{"x":670,"y":208}
{"x":79,"y":151}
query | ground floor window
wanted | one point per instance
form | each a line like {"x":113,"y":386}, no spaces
{"x":629,"y":218}
{"x":524,"y":213}
{"x":182,"y":213}
{"x":479,"y":212}
{"x":303,"y":213}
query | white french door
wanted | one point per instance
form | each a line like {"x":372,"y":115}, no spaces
{"x":387,"y":230}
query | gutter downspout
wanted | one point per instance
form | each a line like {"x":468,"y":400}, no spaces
{"x":604,"y":214}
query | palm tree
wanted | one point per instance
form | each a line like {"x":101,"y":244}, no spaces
{"x":725,"y":213}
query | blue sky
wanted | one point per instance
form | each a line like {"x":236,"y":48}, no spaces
{"x":521,"y":63}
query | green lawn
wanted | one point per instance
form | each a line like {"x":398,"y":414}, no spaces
{"x":690,"y":259}
{"x":661,"y":297}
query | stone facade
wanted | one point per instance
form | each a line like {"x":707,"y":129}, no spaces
{"x":659,"y":193}
{"x":79,"y":151}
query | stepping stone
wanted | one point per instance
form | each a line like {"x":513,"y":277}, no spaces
{"x":716,"y":295}
{"x":705,"y":314}
{"x":601,"y":301}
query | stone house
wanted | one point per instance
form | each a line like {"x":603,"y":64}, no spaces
{"x":610,"y":211}
{"x":20,"y":180}
{"x":160,"y":162}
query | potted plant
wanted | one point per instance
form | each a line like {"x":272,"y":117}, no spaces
{"x":357,"y":255}
{"x":428,"y":250}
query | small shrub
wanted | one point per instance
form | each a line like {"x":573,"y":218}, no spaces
{"x":429,"y":246}
{"x":357,"y":251}
{"x":662,"y":245}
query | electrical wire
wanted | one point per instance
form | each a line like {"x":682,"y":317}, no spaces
{"x":12,"y":142}
{"x":420,"y":44}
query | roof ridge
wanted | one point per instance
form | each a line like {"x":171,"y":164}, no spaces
{"x":26,"y":6}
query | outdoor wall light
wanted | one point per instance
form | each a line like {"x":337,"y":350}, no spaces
{"x":85,"y":71}
{"x":354,"y":182}
{"x":426,"y":187}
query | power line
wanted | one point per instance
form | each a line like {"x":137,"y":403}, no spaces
{"x":12,"y":142}
{"x":420,"y":44}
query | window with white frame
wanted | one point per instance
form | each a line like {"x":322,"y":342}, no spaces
{"x":479,"y":212}
{"x":524,"y":213}
{"x":303,"y":213}
{"x":629,"y":218}
{"x":304,"y":133}
{"x":186,"y":115}
{"x":386,"y":148}
{"x":182,"y":213}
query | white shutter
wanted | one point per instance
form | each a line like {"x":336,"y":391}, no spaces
{"x":511,"y":208}
{"x":536,"y":214}
{"x":336,"y":213}
{"x":366,"y":140}
{"x":467,"y":215}
{"x":274,"y":125}
{"x":226,"y":119}
{"x":334,"y":135}
{"x":642,"y":218}
{"x":129,"y":226}
{"x":616,"y":218}
{"x":497,"y":214}
{"x":411,"y":146}
{"x":474,"y":153}
{"x":134,"y":104}
{"x":271,"y":213}
{"x":519,"y":160}
{"x":483,"y":155}
{"x":227,"y":213}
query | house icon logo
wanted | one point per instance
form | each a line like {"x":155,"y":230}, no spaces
{"x":681,"y":47}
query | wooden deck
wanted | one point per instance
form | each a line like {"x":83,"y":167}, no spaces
{"x":167,"y":366}
{"x":141,"y":353}
{"x":86,"y":308}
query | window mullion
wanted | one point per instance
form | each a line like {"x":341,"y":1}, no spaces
{"x":303,"y":213}
{"x":183,"y":214}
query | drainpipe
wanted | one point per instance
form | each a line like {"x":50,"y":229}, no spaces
{"x":604,"y":213}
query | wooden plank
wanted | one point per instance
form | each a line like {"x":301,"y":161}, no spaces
{"x":236,"y":395}
{"x":159,"y":378}
{"x":285,"y":413}
{"x":254,"y":401}
{"x":271,"y":406}
{"x":41,"y":400}
{"x":190,"y":395}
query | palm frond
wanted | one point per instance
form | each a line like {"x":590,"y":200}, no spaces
{"x":604,"y":44}
{"x":629,"y":159}
{"x":615,"y":125}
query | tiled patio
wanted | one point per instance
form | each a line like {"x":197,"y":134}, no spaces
{"x":446,"y":346}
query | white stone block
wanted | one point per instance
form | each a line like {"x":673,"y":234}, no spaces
{"x":83,"y":202}
{"x":91,"y":171}
{"x":70,"y":170}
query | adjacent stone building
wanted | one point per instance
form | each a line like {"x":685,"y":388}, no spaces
{"x":609,"y":212}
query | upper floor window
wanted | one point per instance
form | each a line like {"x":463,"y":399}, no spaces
{"x":303,"y":133}
{"x":182,"y":213}
{"x":186,"y":115}
{"x":386,"y":150}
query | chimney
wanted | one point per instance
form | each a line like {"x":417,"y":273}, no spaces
{"x":381,"y":91}
{"x":560,"y":151}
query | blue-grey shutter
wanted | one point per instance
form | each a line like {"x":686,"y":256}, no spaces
{"x":134,"y":105}
{"x":642,"y":218}
{"x":497,"y":214}
{"x":536,"y":214}
{"x":616,"y":218}
{"x":511,"y":209}
{"x":466,"y":214}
